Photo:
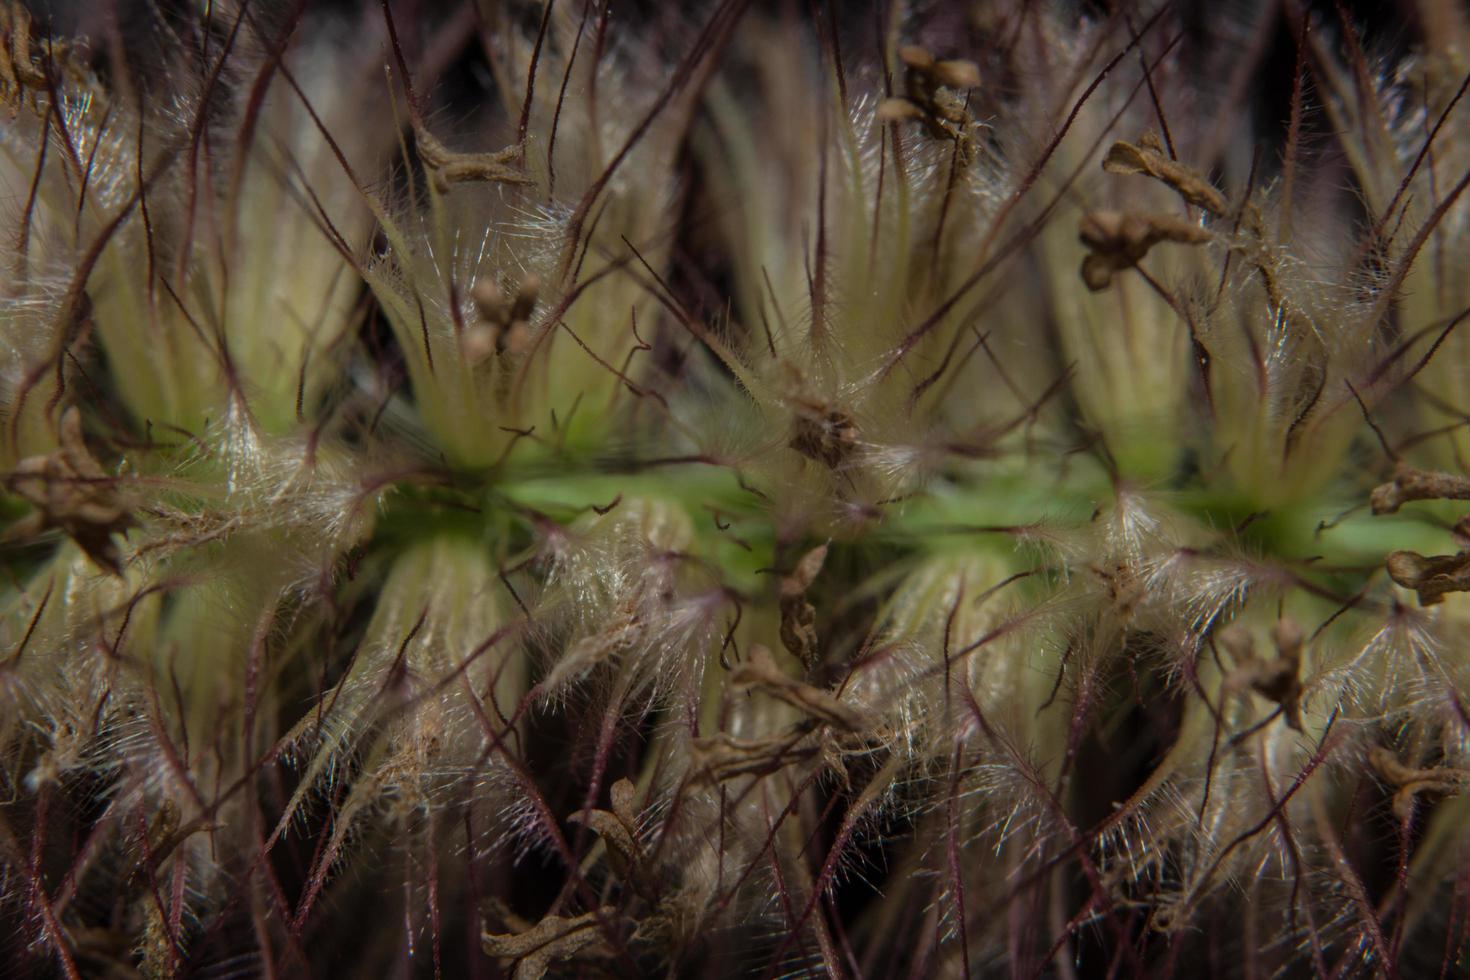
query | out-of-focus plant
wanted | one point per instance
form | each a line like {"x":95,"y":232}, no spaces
{"x":886,"y":490}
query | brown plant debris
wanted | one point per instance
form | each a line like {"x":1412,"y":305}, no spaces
{"x":824,"y":435}
{"x":555,"y":939}
{"x":1126,"y":589}
{"x":1147,"y":157}
{"x":1432,"y":576}
{"x":72,"y":493}
{"x":1410,"y":782}
{"x":17,"y":71}
{"x":446,"y":167}
{"x":761,"y":673}
{"x":1409,"y":484}
{"x":1277,"y":680}
{"x":25,"y":63}
{"x":798,"y":617}
{"x":1119,"y":240}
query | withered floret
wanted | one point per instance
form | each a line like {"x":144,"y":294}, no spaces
{"x":72,"y":493}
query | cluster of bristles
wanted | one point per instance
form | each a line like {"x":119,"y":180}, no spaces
{"x":871,"y":492}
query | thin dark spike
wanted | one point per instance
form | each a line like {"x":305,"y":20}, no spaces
{"x":1368,"y":417}
{"x":196,"y":141}
{"x":714,"y":34}
{"x":87,"y":169}
{"x":415,"y":111}
{"x":23,"y":243}
{"x":525,"y":119}
{"x":1293,"y":133}
{"x":254,"y":103}
{"x":561,"y":95}
{"x":14,"y":659}
{"x":1153,"y":93}
{"x":424,"y":331}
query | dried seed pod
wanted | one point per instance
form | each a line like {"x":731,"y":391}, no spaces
{"x":17,"y":71}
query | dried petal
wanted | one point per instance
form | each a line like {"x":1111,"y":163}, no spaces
{"x":761,"y":672}
{"x":554,"y":939}
{"x":723,"y":756}
{"x":72,"y":493}
{"x":618,"y":829}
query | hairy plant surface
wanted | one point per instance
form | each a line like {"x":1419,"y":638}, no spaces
{"x":866,"y":489}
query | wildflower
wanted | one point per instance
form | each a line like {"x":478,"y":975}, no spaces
{"x":563,"y":489}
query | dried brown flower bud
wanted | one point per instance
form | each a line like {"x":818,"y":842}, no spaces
{"x":1410,"y":782}
{"x":1147,"y":158}
{"x":931,"y":97}
{"x":1432,"y":576}
{"x":1409,"y":484}
{"x":447,"y":167}
{"x":1119,"y":240}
